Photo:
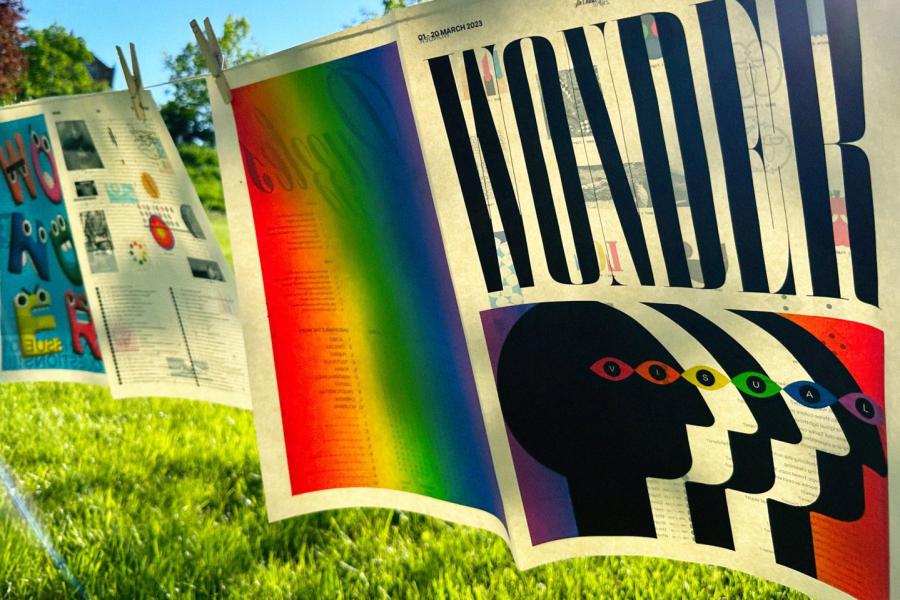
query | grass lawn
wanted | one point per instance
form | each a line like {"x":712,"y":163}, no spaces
{"x":163,"y":498}
{"x":159,"y":498}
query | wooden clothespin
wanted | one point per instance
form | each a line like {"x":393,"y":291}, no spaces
{"x":133,"y":80}
{"x":215,"y":60}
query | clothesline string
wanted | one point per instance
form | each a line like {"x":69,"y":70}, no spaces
{"x":174,"y":81}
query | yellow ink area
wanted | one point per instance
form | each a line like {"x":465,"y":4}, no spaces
{"x":150,"y":185}
{"x":706,"y":378}
{"x":30,"y":324}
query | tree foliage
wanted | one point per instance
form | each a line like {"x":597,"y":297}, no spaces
{"x":187,"y":114}
{"x":202,"y":164}
{"x":390,"y":5}
{"x":13,"y":61}
{"x":57,"y":64}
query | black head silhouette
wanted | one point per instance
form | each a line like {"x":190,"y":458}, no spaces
{"x":841,"y":494}
{"x":753,"y":469}
{"x":606,"y":437}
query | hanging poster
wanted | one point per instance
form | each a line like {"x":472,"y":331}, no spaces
{"x":668,"y":229}
{"x":111,"y":272}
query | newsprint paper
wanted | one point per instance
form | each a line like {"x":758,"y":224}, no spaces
{"x":601,"y":276}
{"x":109,"y":269}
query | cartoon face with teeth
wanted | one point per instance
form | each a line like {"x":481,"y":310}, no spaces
{"x":28,"y":240}
{"x":61,"y":237}
{"x":32,"y":317}
{"x":49,"y":180}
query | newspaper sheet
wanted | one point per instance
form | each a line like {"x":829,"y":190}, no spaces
{"x":362,"y":390}
{"x":122,"y":260}
{"x":668,"y":227}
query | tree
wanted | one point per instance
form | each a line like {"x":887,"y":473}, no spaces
{"x":187,"y":114}
{"x":13,"y":61}
{"x":390,"y":5}
{"x":57,"y":64}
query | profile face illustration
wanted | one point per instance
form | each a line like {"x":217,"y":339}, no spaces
{"x":562,"y":399}
{"x":842,"y":493}
{"x":753,"y":469}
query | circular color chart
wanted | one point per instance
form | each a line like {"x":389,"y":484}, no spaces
{"x":161,"y":232}
{"x":138,"y":253}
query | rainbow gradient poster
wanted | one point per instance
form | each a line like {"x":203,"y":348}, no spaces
{"x":374,"y":382}
{"x":605,"y":278}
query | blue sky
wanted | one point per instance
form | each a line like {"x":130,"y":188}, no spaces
{"x":157,"y":26}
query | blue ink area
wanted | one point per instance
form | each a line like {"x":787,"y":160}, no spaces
{"x":41,"y":287}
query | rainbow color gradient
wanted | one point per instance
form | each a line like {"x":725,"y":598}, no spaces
{"x":373,"y":376}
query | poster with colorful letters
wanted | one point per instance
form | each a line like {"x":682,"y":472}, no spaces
{"x":48,"y":330}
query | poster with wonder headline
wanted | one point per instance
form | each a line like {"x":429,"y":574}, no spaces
{"x":668,"y":228}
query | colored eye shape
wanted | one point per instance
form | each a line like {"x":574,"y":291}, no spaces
{"x":706,"y":378}
{"x":756,"y":384}
{"x":657,"y":372}
{"x":809,"y":394}
{"x":863,"y":408}
{"x":612,"y":369}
